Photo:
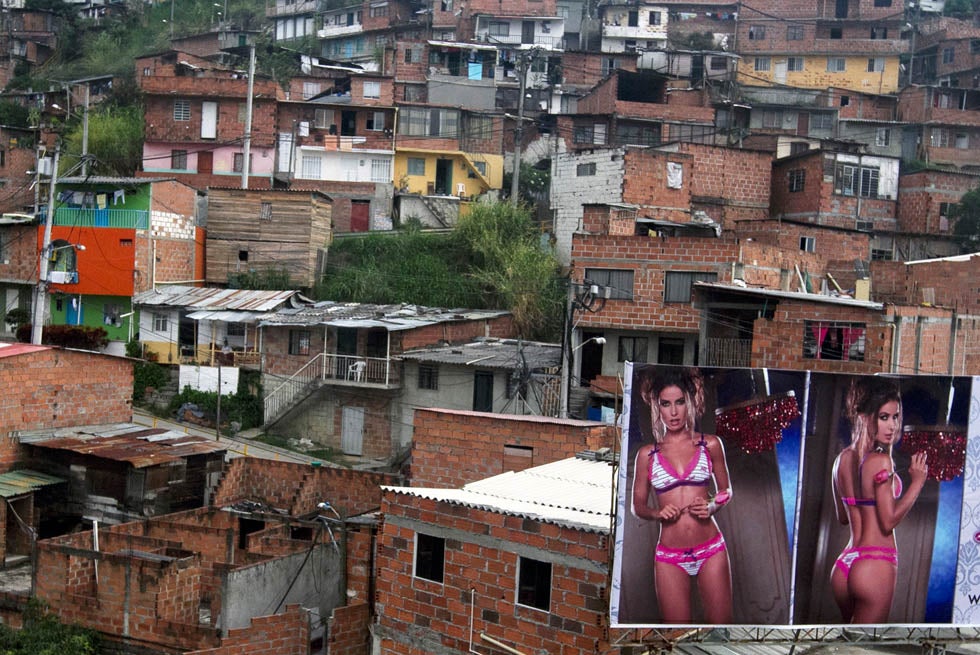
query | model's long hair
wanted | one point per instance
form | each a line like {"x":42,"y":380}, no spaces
{"x":865,"y":398}
{"x":689,"y":380}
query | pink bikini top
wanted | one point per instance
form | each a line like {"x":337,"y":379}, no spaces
{"x":663,"y":477}
{"x":881,"y":476}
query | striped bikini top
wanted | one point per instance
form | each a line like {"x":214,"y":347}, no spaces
{"x":697,"y":474}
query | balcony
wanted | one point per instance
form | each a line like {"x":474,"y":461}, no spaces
{"x":131,"y":219}
{"x":290,"y":8}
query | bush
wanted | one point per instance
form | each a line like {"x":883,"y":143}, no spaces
{"x":147,"y":375}
{"x":244,"y":407}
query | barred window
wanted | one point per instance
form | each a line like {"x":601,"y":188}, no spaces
{"x":182,"y":110}
{"x":619,"y":282}
{"x":632,"y":349}
{"x":797,"y":180}
{"x":428,"y":377}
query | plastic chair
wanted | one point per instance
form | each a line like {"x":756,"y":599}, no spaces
{"x":356,"y":370}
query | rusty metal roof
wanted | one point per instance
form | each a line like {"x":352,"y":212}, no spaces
{"x":211,"y":299}
{"x":18,"y":483}
{"x":362,"y":315}
{"x":485,"y":352}
{"x":124,"y":442}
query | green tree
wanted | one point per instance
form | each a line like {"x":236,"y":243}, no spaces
{"x":966,"y":220}
{"x":115,"y":140}
{"x":44,"y":634}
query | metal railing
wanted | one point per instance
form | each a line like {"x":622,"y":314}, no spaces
{"x":726,"y":352}
{"x":352,"y":369}
{"x":133,"y":219}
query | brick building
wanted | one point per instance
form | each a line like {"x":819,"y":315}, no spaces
{"x":453,"y":448}
{"x":333,"y":373}
{"x":519,"y":561}
{"x":195,"y":121}
{"x":261,"y":571}
{"x":925,"y":202}
{"x":947,"y":121}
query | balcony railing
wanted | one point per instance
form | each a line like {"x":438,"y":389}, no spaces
{"x":133,"y":219}
{"x":349,"y":370}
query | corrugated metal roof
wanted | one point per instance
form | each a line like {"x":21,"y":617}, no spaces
{"x":98,"y":179}
{"x":18,"y":483}
{"x":124,"y":442}
{"x":225,"y":316}
{"x":359,"y":315}
{"x":493,"y":354}
{"x":211,"y":299}
{"x":790,"y":295}
{"x":573,"y":492}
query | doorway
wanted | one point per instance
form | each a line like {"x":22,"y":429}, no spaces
{"x":444,"y":177}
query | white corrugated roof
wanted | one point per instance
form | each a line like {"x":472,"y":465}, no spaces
{"x":215,"y":299}
{"x":574,"y":492}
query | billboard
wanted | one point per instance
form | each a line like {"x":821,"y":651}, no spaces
{"x":794,"y":498}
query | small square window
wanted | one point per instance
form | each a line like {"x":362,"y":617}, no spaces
{"x":794,"y":33}
{"x":372,"y":90}
{"x":583,"y":170}
{"x":883,"y":137}
{"x":797,"y":180}
{"x":949,"y":54}
{"x":534,"y":583}
{"x":428,"y":377}
{"x":807,"y":244}
{"x":430,"y":557}
{"x":876,"y":64}
{"x":160,"y":323}
{"x":836,"y":65}
{"x":182,"y":110}
{"x":762,"y":64}
{"x":265,"y":211}
{"x":757,"y":32}
{"x":178,"y":160}
{"x":375,"y":121}
{"x":836,"y":33}
{"x":299,"y":342}
{"x":794,"y":64}
{"x":416,"y":166}
{"x":632,"y":349}
{"x":944,"y":209}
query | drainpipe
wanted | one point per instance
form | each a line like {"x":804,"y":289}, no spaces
{"x":919,"y":323}
{"x":896,"y":342}
{"x":951,"y":366}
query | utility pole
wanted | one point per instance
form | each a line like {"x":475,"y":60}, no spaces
{"x":41,"y":293}
{"x":88,"y":89}
{"x":914,"y":15}
{"x":247,"y":142}
{"x":589,"y":297}
{"x":522,"y":64}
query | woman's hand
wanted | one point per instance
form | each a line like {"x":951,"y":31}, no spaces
{"x":669,"y":513}
{"x":918,"y":469}
{"x":699,"y":508}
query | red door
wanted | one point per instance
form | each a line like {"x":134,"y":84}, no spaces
{"x":360,"y":215}
{"x":205,"y":162}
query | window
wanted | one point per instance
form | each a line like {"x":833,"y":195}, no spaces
{"x":110,"y":314}
{"x":310,"y":89}
{"x":807,"y":244}
{"x":609,"y":64}
{"x":633,"y":19}
{"x":632,"y":349}
{"x":655,"y":18}
{"x":310,"y":167}
{"x":378,"y":11}
{"x":424,"y":121}
{"x":428,"y":377}
{"x":594,"y":133}
{"x":265,"y":211}
{"x":637,"y":135}
{"x":413,"y":55}
{"x":879,"y":33}
{"x":416,"y":166}
{"x":757,"y":32}
{"x":794,"y":33}
{"x":852,"y":180}
{"x":322,"y":118}
{"x":876,"y":64}
{"x":619,"y":282}
{"x":299,"y":342}
{"x":797,"y":180}
{"x":883,"y":3}
{"x":376,"y":121}
{"x":372,"y":90}
{"x":883,"y":137}
{"x":944,"y":209}
{"x":974,"y":46}
{"x":534,"y":583}
{"x":836,"y":33}
{"x":833,"y":340}
{"x":962,"y":141}
{"x":480,"y":166}
{"x":939,"y":137}
{"x":182,"y":110}
{"x":948,"y":55}
{"x":479,"y":127}
{"x":238,"y":162}
{"x":178,"y":160}
{"x":718,"y":63}
{"x":772,"y":118}
{"x":794,"y":64}
{"x":381,"y":170}
{"x":762,"y":64}
{"x":498,"y":28}
{"x":430,"y":557}
{"x":822,"y":121}
{"x":160,"y":323}
{"x":836,"y":64}
{"x":584,"y":170}
{"x":678,"y":285}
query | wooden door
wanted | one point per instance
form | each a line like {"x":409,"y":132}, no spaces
{"x":352,"y":431}
{"x":360,"y":218}
{"x":205,"y":162}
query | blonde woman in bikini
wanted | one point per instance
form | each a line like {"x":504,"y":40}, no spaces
{"x":681,"y":480}
{"x":868,"y":497}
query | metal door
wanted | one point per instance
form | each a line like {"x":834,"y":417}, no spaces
{"x":352,"y":431}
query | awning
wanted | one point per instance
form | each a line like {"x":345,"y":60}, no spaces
{"x":463,"y":46}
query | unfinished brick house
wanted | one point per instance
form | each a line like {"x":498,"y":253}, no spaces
{"x":332,"y":372}
{"x":925,"y":202}
{"x":452,"y":448}
{"x":516,"y":561}
{"x":262,"y":567}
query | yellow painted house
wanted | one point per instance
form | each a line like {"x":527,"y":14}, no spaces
{"x":868,"y":74}
{"x":447,"y":172}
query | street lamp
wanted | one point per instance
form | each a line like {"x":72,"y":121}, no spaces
{"x":598,"y":340}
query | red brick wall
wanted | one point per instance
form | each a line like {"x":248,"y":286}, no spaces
{"x":650,"y":258}
{"x":458,"y":332}
{"x":585,"y":68}
{"x":349,"y":630}
{"x":413,"y":610}
{"x":299,"y":487}
{"x":22,"y":254}
{"x":58,"y":388}
{"x":452,"y":448}
{"x":953,"y":284}
{"x":279,"y":634}
{"x":729,"y":184}
{"x":920,"y":195}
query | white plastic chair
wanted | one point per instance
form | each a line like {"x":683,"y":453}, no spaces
{"x":356,"y":370}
